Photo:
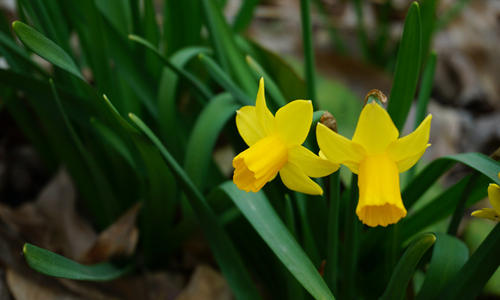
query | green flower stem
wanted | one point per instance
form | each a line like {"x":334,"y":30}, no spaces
{"x":351,"y":242}
{"x":332,"y":255}
{"x":308,"y":49}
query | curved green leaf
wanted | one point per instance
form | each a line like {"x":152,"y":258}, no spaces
{"x":271,"y":86}
{"x":406,"y":266}
{"x":224,"y":79}
{"x":256,"y":208}
{"x":228,"y":54}
{"x":407,"y":68}
{"x":197,"y":84}
{"x":174,"y":137}
{"x":442,"y":206}
{"x":224,"y":251}
{"x":46,"y":48}
{"x":473,"y":276}
{"x":52,"y":264}
{"x":204,"y":135}
{"x":420,"y":183}
{"x":448,"y":256}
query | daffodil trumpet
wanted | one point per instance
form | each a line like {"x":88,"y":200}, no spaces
{"x":275,"y":146}
{"x":492,"y":213}
{"x":377,"y":155}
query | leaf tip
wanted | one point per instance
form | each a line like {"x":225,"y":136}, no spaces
{"x":16,"y":24}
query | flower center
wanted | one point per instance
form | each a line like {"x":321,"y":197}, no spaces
{"x":380,"y":200}
{"x":260,"y":163}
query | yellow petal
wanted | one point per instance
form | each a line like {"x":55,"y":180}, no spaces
{"x":266,"y":118}
{"x":486,"y":213}
{"x":407,"y":151}
{"x":248,"y":125}
{"x":494,"y":196}
{"x":380,"y":200}
{"x":293,"y":121}
{"x":311,"y":164}
{"x":259,"y":164}
{"x":338,"y":149}
{"x":295,"y":179}
{"x":375,"y":129}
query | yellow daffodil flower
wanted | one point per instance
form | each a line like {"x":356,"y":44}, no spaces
{"x":275,"y":146}
{"x":377,"y":155}
{"x":494,"y":196}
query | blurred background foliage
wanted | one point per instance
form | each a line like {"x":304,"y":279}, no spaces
{"x":184,"y":68}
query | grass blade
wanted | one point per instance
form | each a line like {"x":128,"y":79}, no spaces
{"x":424,"y":94}
{"x":204,"y":135}
{"x":271,"y":86}
{"x":52,"y":264}
{"x":477,"y":161}
{"x":224,"y":80}
{"x":244,"y":16}
{"x":407,"y":68}
{"x":257,"y":210}
{"x":406,"y":266}
{"x":46,"y":48}
{"x":228,"y":54}
{"x":198,"y":85}
{"x":226,"y":255}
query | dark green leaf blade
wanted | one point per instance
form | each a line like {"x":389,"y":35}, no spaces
{"x":406,"y":266}
{"x":52,"y":264}
{"x":256,"y":208}
{"x":448,"y":256}
{"x":226,"y":255}
{"x":407,"y":68}
{"x":473,"y":276}
{"x":204,"y":135}
{"x":45,"y":48}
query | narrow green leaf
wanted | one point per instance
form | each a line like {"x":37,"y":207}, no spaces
{"x":448,"y":256}
{"x":45,"y":48}
{"x":307,"y":40}
{"x":428,"y":18}
{"x":424,"y":94}
{"x":271,"y":88}
{"x":441,"y":206}
{"x":181,"y":25}
{"x":470,"y":280}
{"x":477,"y":161}
{"x":52,"y":264}
{"x":19,"y":52}
{"x":224,"y":80}
{"x":257,"y":210}
{"x":118,"y":13}
{"x":102,"y":186}
{"x":407,"y":68}
{"x":226,"y":255}
{"x":198,"y":85}
{"x":228,"y":55}
{"x":204,"y":135}
{"x":174,"y":137}
{"x":287,"y":79}
{"x":245,"y":14}
{"x":406,"y":266}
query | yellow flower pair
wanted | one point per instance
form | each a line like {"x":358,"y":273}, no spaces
{"x":375,"y":153}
